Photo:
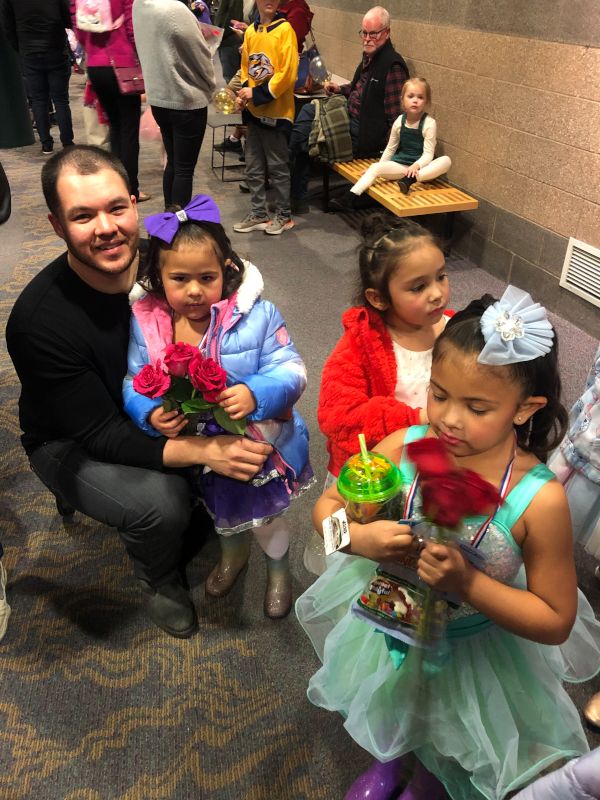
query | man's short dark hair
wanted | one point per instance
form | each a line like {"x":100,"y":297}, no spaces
{"x":84,"y":159}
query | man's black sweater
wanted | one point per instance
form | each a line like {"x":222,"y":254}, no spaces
{"x":68,"y":343}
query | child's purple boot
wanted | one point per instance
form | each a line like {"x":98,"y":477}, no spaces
{"x":423,"y":786}
{"x":380,"y":782}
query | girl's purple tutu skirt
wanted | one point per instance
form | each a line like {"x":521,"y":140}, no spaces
{"x":236,"y":506}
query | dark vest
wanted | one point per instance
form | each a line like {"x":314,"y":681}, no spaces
{"x":374,"y":130}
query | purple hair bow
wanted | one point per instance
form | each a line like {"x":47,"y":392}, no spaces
{"x":201,"y":208}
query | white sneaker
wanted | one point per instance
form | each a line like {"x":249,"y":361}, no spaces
{"x":251,"y":223}
{"x":4,"y":607}
{"x":279,"y":225}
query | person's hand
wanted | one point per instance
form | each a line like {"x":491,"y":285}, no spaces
{"x":242,"y":98}
{"x":238,"y":401}
{"x":235,"y":456}
{"x":168,"y":423}
{"x":238,"y":26}
{"x":383,"y":540}
{"x":245,"y":94}
{"x":331,"y":87}
{"x":413,"y":171}
{"x":444,"y":567}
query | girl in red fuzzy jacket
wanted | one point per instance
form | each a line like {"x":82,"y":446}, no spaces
{"x":375,"y":380}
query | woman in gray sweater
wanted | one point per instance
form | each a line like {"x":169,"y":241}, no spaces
{"x":180,"y":80}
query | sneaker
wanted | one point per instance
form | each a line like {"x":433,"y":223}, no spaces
{"x":279,"y":225}
{"x":229,"y":145}
{"x":252,"y":223}
{"x":4,"y":607}
{"x":47,"y":149}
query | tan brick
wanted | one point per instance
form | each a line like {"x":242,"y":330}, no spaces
{"x":588,"y":229}
{"x":552,"y":208}
{"x":452,"y":124}
{"x":563,"y":68}
{"x":331,"y":49}
{"x":488,"y":140}
{"x":503,"y":187}
{"x":503,"y":57}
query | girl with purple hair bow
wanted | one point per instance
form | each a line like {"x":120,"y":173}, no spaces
{"x":200,"y":294}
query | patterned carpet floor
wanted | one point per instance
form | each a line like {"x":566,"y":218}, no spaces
{"x":95,"y":702}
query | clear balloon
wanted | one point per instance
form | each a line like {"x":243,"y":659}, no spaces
{"x":224,"y":101}
{"x":318,"y":71}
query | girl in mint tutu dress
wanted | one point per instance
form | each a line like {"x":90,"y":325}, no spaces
{"x":489,"y":712}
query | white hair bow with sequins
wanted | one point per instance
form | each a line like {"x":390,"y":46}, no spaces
{"x":515,"y":329}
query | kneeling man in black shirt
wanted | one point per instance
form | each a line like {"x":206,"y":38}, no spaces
{"x":67,"y":336}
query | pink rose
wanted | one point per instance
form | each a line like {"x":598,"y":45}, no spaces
{"x":152,"y":381}
{"x":177,"y":357}
{"x":207,"y":377}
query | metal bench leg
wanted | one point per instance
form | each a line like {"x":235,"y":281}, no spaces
{"x":325,"y":198}
{"x":448,"y":231}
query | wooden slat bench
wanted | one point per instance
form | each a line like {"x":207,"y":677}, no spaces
{"x":432,"y":197}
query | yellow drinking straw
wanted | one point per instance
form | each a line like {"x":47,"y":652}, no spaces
{"x":365,"y":454}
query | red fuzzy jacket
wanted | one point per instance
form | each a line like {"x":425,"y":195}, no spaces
{"x":358,"y":385}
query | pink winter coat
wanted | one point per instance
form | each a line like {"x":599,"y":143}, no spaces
{"x":113,"y":48}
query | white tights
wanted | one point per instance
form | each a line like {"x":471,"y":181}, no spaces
{"x":274,"y":537}
{"x":392,"y":171}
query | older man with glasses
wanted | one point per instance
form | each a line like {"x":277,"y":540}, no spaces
{"x":373,"y":100}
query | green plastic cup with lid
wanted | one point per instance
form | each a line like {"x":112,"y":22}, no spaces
{"x":372,"y":485}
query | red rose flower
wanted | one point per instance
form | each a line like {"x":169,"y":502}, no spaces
{"x":207,"y":377}
{"x":443,"y":500}
{"x":480,"y":497}
{"x":152,"y":381}
{"x":430,"y":457}
{"x":177,"y":357}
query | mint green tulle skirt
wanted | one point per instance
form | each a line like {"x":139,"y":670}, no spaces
{"x":486,"y":720}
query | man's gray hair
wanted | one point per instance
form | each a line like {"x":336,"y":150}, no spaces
{"x":383,"y":14}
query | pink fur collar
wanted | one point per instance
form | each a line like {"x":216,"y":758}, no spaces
{"x":154,"y":317}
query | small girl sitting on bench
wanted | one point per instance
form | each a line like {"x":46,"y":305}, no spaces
{"x":408,"y":156}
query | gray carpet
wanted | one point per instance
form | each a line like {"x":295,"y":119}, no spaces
{"x":97,"y":704}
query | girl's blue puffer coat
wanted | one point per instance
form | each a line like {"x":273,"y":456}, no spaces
{"x":247,"y":336}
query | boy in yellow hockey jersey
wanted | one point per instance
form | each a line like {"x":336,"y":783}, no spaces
{"x":266,"y":99}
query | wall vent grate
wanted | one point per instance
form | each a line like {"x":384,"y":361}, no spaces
{"x":581,"y":271}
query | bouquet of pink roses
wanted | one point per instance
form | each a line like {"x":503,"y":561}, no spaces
{"x":188,"y":381}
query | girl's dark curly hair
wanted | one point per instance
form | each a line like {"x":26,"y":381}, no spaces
{"x":538,"y":377}
{"x":192,"y":232}
{"x":386,"y":240}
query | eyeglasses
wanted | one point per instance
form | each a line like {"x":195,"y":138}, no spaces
{"x":371,"y":34}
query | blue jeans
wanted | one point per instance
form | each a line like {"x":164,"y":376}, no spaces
{"x":150,"y":509}
{"x":182,"y":134}
{"x":47,"y":78}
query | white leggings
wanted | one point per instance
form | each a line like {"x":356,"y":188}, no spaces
{"x":392,"y":171}
{"x":274,"y":537}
